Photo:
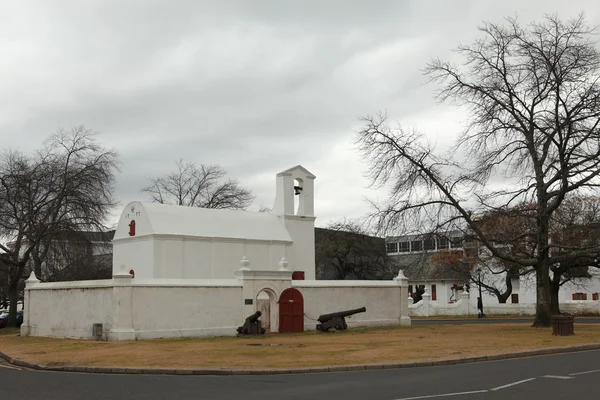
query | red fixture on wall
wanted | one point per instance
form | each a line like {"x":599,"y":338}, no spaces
{"x":298,"y":275}
{"x":132,"y":228}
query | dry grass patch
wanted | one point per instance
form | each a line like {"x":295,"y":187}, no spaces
{"x":311,"y":349}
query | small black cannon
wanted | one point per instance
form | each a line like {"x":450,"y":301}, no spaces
{"x":252,"y":325}
{"x":336,"y":320}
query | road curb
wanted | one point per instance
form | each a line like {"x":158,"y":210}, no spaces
{"x":338,"y":368}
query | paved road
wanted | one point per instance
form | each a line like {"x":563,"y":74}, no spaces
{"x":564,"y":376}
{"x":585,"y":320}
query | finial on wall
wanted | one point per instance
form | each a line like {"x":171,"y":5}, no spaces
{"x":283,"y":264}
{"x":244,"y":264}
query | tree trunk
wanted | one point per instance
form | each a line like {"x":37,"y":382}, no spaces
{"x":543,"y":314}
{"x":554,"y":289}
{"x":13,"y":296}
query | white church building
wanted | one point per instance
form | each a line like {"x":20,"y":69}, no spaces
{"x":203,"y":271}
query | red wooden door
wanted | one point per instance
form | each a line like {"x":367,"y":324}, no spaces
{"x":291,"y":311}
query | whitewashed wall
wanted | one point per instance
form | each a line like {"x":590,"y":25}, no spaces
{"x":133,"y":308}
{"x":137,"y":254}
{"x":176,"y":256}
{"x":186,"y":309}
{"x":463,"y":307}
{"x":141,"y":309}
{"x":302,"y":251}
{"x":68,"y":309}
{"x":426,"y":307}
{"x":384,"y":301}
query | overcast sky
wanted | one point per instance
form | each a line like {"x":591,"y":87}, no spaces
{"x":255,"y":86}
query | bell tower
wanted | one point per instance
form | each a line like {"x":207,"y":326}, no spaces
{"x":296,"y":181}
{"x":300,"y":222}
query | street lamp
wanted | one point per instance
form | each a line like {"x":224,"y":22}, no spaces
{"x":480,"y":299}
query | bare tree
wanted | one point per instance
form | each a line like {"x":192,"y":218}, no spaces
{"x":198,"y":186}
{"x":345,"y":250}
{"x":3,"y":285}
{"x":495,"y":276}
{"x":533,"y":94}
{"x":66,"y":186}
{"x":576,"y":224}
{"x":80,"y":255}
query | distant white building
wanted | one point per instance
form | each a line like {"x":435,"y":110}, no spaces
{"x":413,"y":254}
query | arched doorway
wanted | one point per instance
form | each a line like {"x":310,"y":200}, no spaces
{"x":266,"y":303}
{"x":291,"y":311}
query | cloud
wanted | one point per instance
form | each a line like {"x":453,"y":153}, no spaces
{"x":256,"y":86}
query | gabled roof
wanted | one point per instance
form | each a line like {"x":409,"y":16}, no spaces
{"x":296,"y":168}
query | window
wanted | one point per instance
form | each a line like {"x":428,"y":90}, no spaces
{"x":410,"y":291}
{"x":514,"y":298}
{"x":404,"y":247}
{"x":429,"y":244}
{"x":391,"y":247}
{"x":416,"y":245}
{"x":443,"y":243}
{"x":433,"y":293}
{"x":579,"y":296}
{"x":594,"y":296}
{"x":457,"y":241}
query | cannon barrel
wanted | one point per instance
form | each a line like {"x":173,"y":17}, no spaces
{"x":254,"y":317}
{"x":326,"y":317}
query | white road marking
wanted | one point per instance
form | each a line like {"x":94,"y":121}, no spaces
{"x":512,"y":384}
{"x":443,"y":395}
{"x":585,"y":372}
{"x":570,"y":376}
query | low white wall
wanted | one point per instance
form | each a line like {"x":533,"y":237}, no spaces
{"x":581,"y":307}
{"x":151,"y":309}
{"x":382,"y":299}
{"x":132,"y":308}
{"x":49,"y":308}
{"x":428,"y":308}
{"x":179,"y":311}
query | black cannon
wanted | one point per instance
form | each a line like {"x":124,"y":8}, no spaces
{"x":336,"y":320}
{"x":252,"y":325}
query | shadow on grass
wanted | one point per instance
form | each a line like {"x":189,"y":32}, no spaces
{"x":10,"y":331}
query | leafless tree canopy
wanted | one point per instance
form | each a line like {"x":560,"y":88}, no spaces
{"x":533,"y":96}
{"x":65,"y":186}
{"x":75,"y":256}
{"x":198,"y":186}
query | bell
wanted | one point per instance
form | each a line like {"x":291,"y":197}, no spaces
{"x":297,"y":190}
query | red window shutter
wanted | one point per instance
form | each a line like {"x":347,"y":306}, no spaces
{"x":132,"y":228}
{"x":514,"y":298}
{"x":594,"y":296}
{"x":574,"y":296}
{"x":584,"y":296}
{"x":433,"y":293}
